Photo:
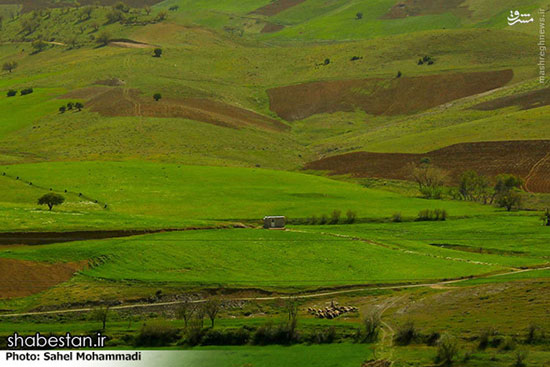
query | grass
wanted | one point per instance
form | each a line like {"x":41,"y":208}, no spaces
{"x":249,"y":258}
{"x":178,"y":193}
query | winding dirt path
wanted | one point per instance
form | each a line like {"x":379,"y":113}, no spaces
{"x":290,"y":296}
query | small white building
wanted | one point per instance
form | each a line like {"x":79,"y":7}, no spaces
{"x":274,"y":222}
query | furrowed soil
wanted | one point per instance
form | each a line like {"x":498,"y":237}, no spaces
{"x":397,"y":96}
{"x":30,"y":277}
{"x":276,"y":7}
{"x":30,"y":5}
{"x":413,"y":8}
{"x":525,"y":101}
{"x":529,"y":159}
{"x":123,"y":102}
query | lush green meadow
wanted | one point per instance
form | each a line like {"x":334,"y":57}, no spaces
{"x":177,"y":194}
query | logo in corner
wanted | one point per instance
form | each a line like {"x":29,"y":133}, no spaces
{"x":516,"y":17}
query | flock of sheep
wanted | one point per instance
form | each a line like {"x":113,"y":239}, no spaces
{"x":331,"y":312}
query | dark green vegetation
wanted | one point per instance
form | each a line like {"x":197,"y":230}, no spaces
{"x":199,"y":118}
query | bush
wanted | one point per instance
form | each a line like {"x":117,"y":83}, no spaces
{"x":226,"y":337}
{"x":157,"y":52}
{"x":103,"y":38}
{"x":371,"y":328}
{"x":534,"y":334}
{"x":507,"y":344}
{"x":486,"y":338}
{"x":432,"y":215}
{"x":351,"y":216}
{"x":323,"y":219}
{"x":157,"y":96}
{"x":397,"y":218}
{"x":335,"y":216}
{"x":11,"y":93}
{"x":447,"y":350}
{"x":26,"y":91}
{"x":156,"y":333}
{"x":406,"y":334}
{"x":519,"y":358}
{"x":270,"y":334}
{"x":432,"y":338}
{"x":323,"y":336}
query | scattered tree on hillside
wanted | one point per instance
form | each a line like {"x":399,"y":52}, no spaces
{"x":79,"y":106}
{"x":39,"y":45}
{"x":70,"y":106}
{"x":447,"y":350}
{"x":103,"y":38}
{"x":174,"y":8}
{"x":29,"y":25}
{"x":114,"y":16}
{"x":430,"y":180}
{"x":95,"y":26}
{"x":157,"y":96}
{"x":359,"y":16}
{"x":509,"y":200}
{"x":100,"y":314}
{"x":11,"y":93}
{"x":162,"y":15}
{"x":212,"y":308}
{"x":51,"y":199}
{"x":62,"y":109}
{"x":26,"y":91}
{"x":86,"y":13}
{"x":546,"y":218}
{"x":9,"y":66}
{"x":474,"y":187}
{"x":399,"y":74}
{"x":147,"y":10}
{"x":121,"y":7}
{"x":157,"y":52}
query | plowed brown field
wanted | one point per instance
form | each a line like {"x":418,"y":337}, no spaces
{"x":529,"y":159}
{"x":124,"y":102}
{"x":22,"y":278}
{"x":277,"y":6}
{"x":412,"y":8}
{"x":525,"y":101}
{"x":377,"y":96}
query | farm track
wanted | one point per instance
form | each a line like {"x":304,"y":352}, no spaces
{"x":442,"y":283}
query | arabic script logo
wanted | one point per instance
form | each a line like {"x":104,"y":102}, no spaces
{"x":516,"y":17}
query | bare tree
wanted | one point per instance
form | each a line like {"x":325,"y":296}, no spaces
{"x":100,"y":314}
{"x":212,"y":308}
{"x":430,"y":179}
{"x":185,"y":311}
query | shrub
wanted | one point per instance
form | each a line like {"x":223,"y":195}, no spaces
{"x":326,"y":62}
{"x":157,"y":96}
{"x":397,"y":218}
{"x":406,"y":334}
{"x":323,"y":219}
{"x":11,"y":93}
{"x":26,"y":91}
{"x":194,"y":332}
{"x":519,"y":358}
{"x":399,"y":74}
{"x":103,"y":38}
{"x":371,"y":328}
{"x":70,"y":105}
{"x":79,"y":106}
{"x":432,"y":338}
{"x":157,"y":52}
{"x":156,"y":333}
{"x":507,"y":344}
{"x":432,"y":215}
{"x":485,"y":338}
{"x":323,"y":336}
{"x":9,"y":66}
{"x":62,"y":109}
{"x":534,"y":334}
{"x":351,"y":216}
{"x":270,"y":334}
{"x":335,"y":216}
{"x":355,"y":58}
{"x":226,"y":337}
{"x":447,"y":350}
{"x":359,"y":16}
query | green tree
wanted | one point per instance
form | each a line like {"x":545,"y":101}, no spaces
{"x":9,"y":66}
{"x":62,"y":109}
{"x":51,"y":199}
{"x":79,"y":106}
{"x":509,"y":200}
{"x":39,"y":45}
{"x":100,"y":314}
{"x":157,"y":52}
{"x":212,"y":308}
{"x":157,"y":96}
{"x":103,"y":38}
{"x":359,"y":16}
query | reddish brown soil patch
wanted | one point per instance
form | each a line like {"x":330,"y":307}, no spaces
{"x":123,"y":102}
{"x":113,"y":82}
{"x":277,"y":6}
{"x":85,"y":93}
{"x":272,"y":28}
{"x":529,"y":159}
{"x":525,"y":101}
{"x":382,"y":96}
{"x":22,"y":278}
{"x":412,"y":8}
